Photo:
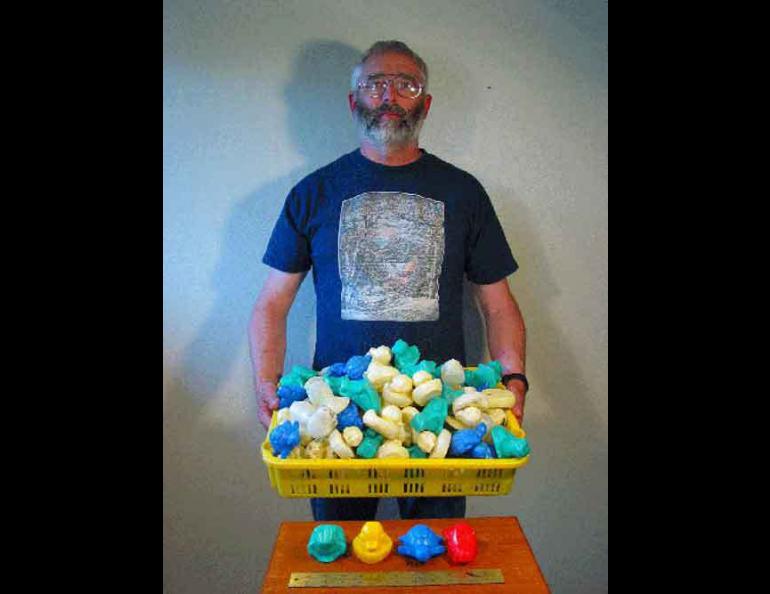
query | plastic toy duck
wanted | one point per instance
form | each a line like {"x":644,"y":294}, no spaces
{"x":372,"y":545}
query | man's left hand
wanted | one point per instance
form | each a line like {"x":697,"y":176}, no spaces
{"x":519,"y":389}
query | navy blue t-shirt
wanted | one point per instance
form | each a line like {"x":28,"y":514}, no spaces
{"x":389,"y":248}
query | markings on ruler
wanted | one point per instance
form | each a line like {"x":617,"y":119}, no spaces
{"x":394,"y":578}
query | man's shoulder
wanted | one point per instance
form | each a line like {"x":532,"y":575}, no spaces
{"x":328,"y":171}
{"x":453,"y":172}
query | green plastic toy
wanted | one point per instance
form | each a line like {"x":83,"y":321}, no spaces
{"x":430,"y":367}
{"x":370,"y":444}
{"x":334,"y":382}
{"x":405,"y":356}
{"x":297,"y":376}
{"x":449,"y":394}
{"x":327,"y":542}
{"x":507,"y":445}
{"x":432,"y":416}
{"x":486,"y":375}
{"x":361,"y":392}
{"x":416,"y":452}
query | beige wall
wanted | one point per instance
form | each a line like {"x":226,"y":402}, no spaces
{"x":254,"y":99}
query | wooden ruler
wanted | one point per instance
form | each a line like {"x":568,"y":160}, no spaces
{"x":394,"y":578}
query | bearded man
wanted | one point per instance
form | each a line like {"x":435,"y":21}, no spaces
{"x":390,"y":231}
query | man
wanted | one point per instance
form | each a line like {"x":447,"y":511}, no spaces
{"x":390,"y":232}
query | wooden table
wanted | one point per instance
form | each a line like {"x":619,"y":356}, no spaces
{"x":501,"y":545}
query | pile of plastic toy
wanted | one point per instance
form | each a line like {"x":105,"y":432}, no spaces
{"x":327,"y":543}
{"x":390,"y":404}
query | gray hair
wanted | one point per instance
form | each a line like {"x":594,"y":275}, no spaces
{"x":383,"y":47}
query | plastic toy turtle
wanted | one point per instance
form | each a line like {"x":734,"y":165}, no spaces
{"x":460,"y":542}
{"x":327,"y":542}
{"x":421,"y":543}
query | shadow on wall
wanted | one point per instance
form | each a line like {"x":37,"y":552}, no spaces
{"x":220,"y":514}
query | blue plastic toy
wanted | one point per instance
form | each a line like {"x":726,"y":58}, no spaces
{"x":290,"y":393}
{"x":284,"y":438}
{"x":356,"y":366}
{"x":483,"y":450}
{"x":465,"y":440}
{"x":350,"y":417}
{"x":421,"y":543}
{"x":337,"y":370}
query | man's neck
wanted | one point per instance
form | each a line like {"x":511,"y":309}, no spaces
{"x":393,"y":156}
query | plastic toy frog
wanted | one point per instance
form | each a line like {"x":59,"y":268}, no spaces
{"x":372,"y":545}
{"x":284,"y":438}
{"x":460,"y":542}
{"x":507,"y":445}
{"x":327,"y":542}
{"x":421,"y":543}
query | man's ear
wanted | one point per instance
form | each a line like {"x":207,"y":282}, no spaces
{"x":428,"y":100}
{"x":352,"y":102}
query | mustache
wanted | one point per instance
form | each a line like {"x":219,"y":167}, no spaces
{"x":388,"y":108}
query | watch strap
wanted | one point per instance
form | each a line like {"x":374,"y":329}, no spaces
{"x":519,"y":376}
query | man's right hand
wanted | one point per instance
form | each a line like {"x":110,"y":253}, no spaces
{"x":267,"y":401}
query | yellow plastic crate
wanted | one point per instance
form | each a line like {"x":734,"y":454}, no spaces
{"x":390,"y":477}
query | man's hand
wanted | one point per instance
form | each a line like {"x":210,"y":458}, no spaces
{"x":518,"y":388}
{"x":267,"y":401}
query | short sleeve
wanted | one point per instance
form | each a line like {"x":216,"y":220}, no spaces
{"x":488,"y":255}
{"x":288,"y":249}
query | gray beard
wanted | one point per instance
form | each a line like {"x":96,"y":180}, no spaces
{"x":389,"y":134}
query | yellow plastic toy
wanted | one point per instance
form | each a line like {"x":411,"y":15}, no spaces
{"x":372,"y":545}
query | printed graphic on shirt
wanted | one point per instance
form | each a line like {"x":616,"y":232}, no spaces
{"x":391,"y":249}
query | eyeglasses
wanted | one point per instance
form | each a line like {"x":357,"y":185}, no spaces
{"x":377,"y":84}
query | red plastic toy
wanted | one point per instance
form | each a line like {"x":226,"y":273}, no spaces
{"x":460,"y":540}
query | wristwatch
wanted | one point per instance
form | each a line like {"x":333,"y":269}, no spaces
{"x":519,"y":376}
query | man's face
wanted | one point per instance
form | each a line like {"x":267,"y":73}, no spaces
{"x":390,"y":119}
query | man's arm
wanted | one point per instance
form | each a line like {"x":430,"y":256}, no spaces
{"x":506,"y":335}
{"x":267,"y":337}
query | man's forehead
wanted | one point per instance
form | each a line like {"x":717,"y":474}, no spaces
{"x":391,"y":63}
